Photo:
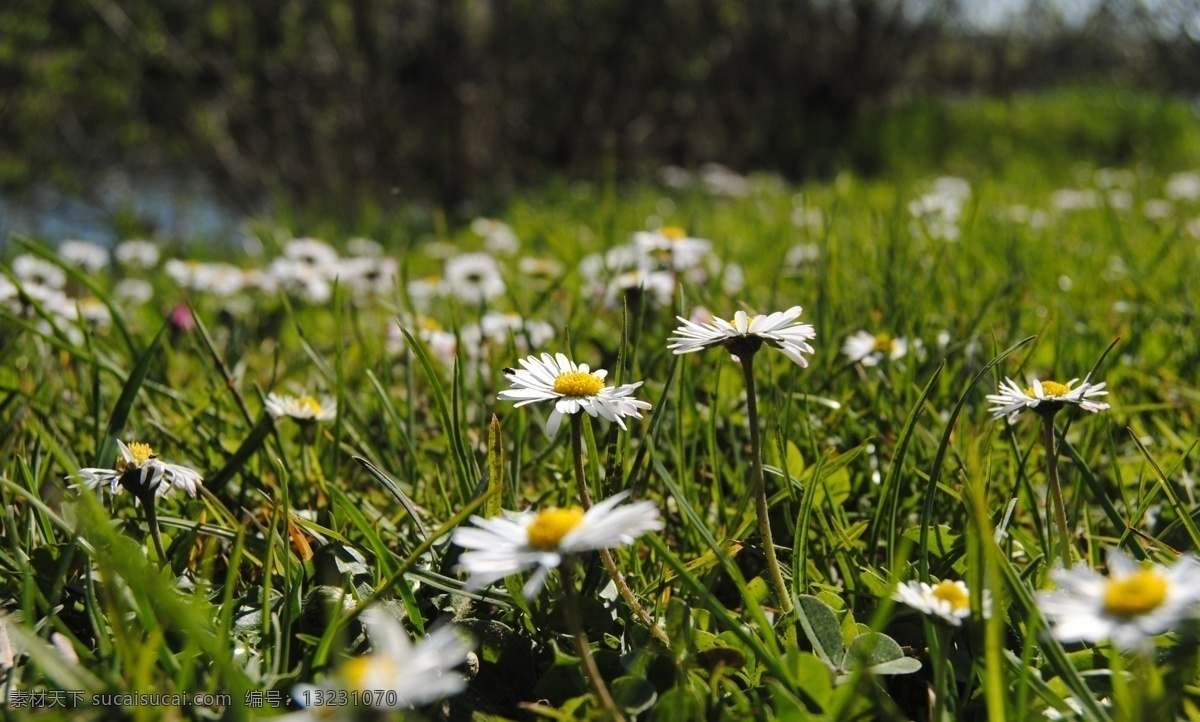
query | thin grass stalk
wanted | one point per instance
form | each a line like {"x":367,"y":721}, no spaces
{"x":1059,"y":508}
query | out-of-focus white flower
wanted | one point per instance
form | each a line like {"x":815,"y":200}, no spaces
{"x":1183,"y":186}
{"x":572,"y":388}
{"x":1129,"y":606}
{"x":658,"y":286}
{"x":803,"y":254}
{"x":1115,"y":178}
{"x":778,"y":330}
{"x":133,"y":292}
{"x":947,"y":601}
{"x":511,"y":544}
{"x":308,"y":281}
{"x":872,"y":349}
{"x":1157,"y":209}
{"x":366,"y":275}
{"x":1045,"y":397}
{"x":673,"y":176}
{"x":1074,"y":199}
{"x":94,"y":312}
{"x":364,"y":247}
{"x":539,"y":267}
{"x":720,"y":180}
{"x":312,"y":252}
{"x":34,"y":271}
{"x":138,"y":253}
{"x":396,"y":675}
{"x":498,"y":236}
{"x":423,"y":290}
{"x":219,"y":279}
{"x":671,"y":248}
{"x":528,"y":333}
{"x":937,"y":212}
{"x":84,"y":254}
{"x":811,"y":219}
{"x":305,"y":409}
{"x":1120,"y":200}
{"x":473,"y":278}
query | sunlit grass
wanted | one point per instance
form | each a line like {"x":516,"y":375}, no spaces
{"x":874,"y":474}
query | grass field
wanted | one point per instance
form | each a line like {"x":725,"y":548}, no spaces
{"x":878,"y":471}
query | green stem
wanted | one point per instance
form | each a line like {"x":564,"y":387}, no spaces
{"x":760,"y":487}
{"x":1055,"y":490}
{"x":610,"y":563}
{"x":942,"y":674}
{"x":152,"y":518}
{"x":582,"y":646}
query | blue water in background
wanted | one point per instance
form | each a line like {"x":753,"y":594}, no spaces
{"x":173,"y":205}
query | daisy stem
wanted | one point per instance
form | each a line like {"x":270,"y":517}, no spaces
{"x":152,"y":520}
{"x":760,"y":488}
{"x":940,"y":657}
{"x":1055,"y":490}
{"x":610,"y":563}
{"x":583,"y":647}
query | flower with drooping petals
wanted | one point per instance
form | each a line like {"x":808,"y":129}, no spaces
{"x":1045,"y":397}
{"x":778,"y":330}
{"x":141,"y":471}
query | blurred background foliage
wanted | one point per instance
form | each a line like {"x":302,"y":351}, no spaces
{"x":334,"y":101}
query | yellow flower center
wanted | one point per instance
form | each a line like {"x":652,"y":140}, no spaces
{"x":578,"y":383}
{"x":1050,"y":388}
{"x":356,"y":671}
{"x":1134,"y":596}
{"x":953,"y":593}
{"x":430,"y":325}
{"x":550,"y":526}
{"x":673,"y":232}
{"x":883,"y":342}
{"x":308,"y":403}
{"x":141,"y":453}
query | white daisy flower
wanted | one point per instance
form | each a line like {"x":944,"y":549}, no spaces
{"x":1184,"y":186}
{"x":496,"y":327}
{"x":948,"y":601}
{"x":803,"y":254}
{"x":308,"y":281}
{"x":1045,"y":397}
{"x":473,"y":277}
{"x":1133,"y":603}
{"x":397,"y":674}
{"x":657,"y":285}
{"x":366,"y":275}
{"x":311,"y":252}
{"x":84,"y":254}
{"x":34,"y":271}
{"x":539,"y":267}
{"x":134,"y":291}
{"x":138,"y":253}
{"x":143,"y":473}
{"x":302,"y":408}
{"x":871,"y":349}
{"x":539,"y":540}
{"x":778,"y":330}
{"x":572,"y":388}
{"x":498,"y":236}
{"x":671,"y":247}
